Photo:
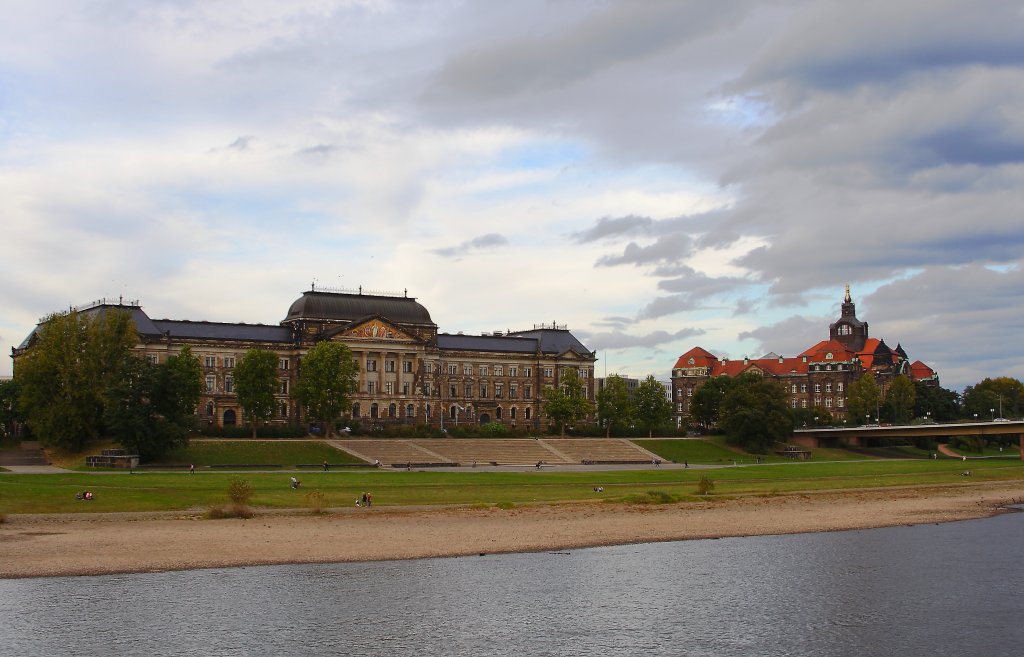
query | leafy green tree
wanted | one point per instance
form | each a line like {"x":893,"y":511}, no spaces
{"x":255,"y":384}
{"x":653,"y":409}
{"x":900,"y":399}
{"x":614,"y":407}
{"x":865,"y":397}
{"x":66,"y":375}
{"x":327,"y":378}
{"x":10,"y":410}
{"x":754,"y":414}
{"x":938,"y":403}
{"x":150,"y":410}
{"x":567,"y":403}
{"x":1003,"y":393}
{"x":707,"y":399}
{"x":817,"y":416}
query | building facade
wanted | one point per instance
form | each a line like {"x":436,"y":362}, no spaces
{"x":818,"y":377}
{"x":409,"y":373}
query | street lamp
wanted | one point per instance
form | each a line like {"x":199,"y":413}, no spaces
{"x":993,"y":412}
{"x":867,"y":418}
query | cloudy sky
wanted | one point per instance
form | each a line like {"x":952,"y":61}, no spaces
{"x":656,"y":175}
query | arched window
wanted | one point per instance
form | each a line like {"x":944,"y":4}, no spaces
{"x":229,"y":418}
{"x":512,"y":413}
{"x":428,"y":412}
{"x":451,"y":412}
{"x":209,"y":409}
{"x":527,"y":414}
{"x":410,"y":411}
{"x":497,"y":413}
{"x":374,"y":410}
{"x":392,"y":410}
{"x":355,"y":409}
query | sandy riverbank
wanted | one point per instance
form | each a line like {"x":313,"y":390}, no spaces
{"x":32,"y":546}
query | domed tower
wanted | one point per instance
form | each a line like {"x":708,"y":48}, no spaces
{"x":848,"y":330}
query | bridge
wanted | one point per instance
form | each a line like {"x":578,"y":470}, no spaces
{"x":861,"y":436}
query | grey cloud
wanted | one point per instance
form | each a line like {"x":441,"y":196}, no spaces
{"x":483,"y":242}
{"x":670,"y":248}
{"x":791,"y":336}
{"x":609,"y":227}
{"x":620,"y":340}
{"x":839,"y":46}
{"x":320,"y":150}
{"x":578,"y":49}
{"x":242,"y":143}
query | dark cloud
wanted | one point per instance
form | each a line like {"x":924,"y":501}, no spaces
{"x":609,"y":227}
{"x":621,"y":340}
{"x":670,"y":248}
{"x":791,"y":336}
{"x":242,"y":143}
{"x":481,"y":243}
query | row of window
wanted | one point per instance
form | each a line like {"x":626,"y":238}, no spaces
{"x":229,"y":362}
{"x":229,"y":385}
{"x":454,"y":412}
{"x":839,"y":402}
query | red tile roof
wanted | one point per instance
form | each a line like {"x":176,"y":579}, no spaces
{"x":701,"y":358}
{"x":919,"y":370}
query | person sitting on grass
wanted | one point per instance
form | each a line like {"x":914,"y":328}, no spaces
{"x":295,"y":482}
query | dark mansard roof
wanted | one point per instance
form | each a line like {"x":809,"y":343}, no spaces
{"x":345,"y":307}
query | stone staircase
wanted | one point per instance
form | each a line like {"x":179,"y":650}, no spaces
{"x":30,"y":453}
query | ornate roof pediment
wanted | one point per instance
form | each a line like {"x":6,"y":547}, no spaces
{"x":374,"y":329}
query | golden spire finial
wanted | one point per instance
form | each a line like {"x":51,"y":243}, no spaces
{"x":847,"y":298}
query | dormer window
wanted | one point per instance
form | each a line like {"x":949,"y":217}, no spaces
{"x":690,"y":362}
{"x":828,"y":356}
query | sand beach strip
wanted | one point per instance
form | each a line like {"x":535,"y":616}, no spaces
{"x":89,"y":544}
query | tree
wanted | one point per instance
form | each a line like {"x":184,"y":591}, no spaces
{"x":900,"y":399}
{"x":864,"y":398}
{"x":67,"y":373}
{"x":613,"y":403}
{"x":10,"y":410}
{"x":938,"y":403}
{"x":754,"y":414}
{"x":568,"y":402}
{"x":255,"y":384}
{"x":817,"y":416}
{"x":151,"y":408}
{"x":327,"y":379}
{"x":1003,"y":393}
{"x":653,"y":409}
{"x":707,"y":399}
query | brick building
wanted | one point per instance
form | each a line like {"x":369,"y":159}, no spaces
{"x":820,"y":376}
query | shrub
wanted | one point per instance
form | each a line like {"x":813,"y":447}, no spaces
{"x":705,"y":485}
{"x":493,"y":430}
{"x":505,"y":505}
{"x":651,"y":497}
{"x":239,"y":491}
{"x":316,"y":501}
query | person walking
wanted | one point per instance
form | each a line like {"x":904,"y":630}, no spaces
{"x":191,"y":468}
{"x":326,"y":467}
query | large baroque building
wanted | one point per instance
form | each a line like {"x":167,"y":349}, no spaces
{"x":818,"y":377}
{"x":409,"y":373}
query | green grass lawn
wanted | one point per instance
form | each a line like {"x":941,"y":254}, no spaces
{"x":713,"y":450}
{"x":258,"y":452}
{"x":156,"y":491}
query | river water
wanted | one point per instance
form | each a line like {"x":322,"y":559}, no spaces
{"x":950,"y":589}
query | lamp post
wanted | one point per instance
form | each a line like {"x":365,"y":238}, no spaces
{"x":993,"y":412}
{"x":867,"y":418}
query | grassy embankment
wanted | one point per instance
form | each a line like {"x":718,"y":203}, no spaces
{"x":165,"y":491}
